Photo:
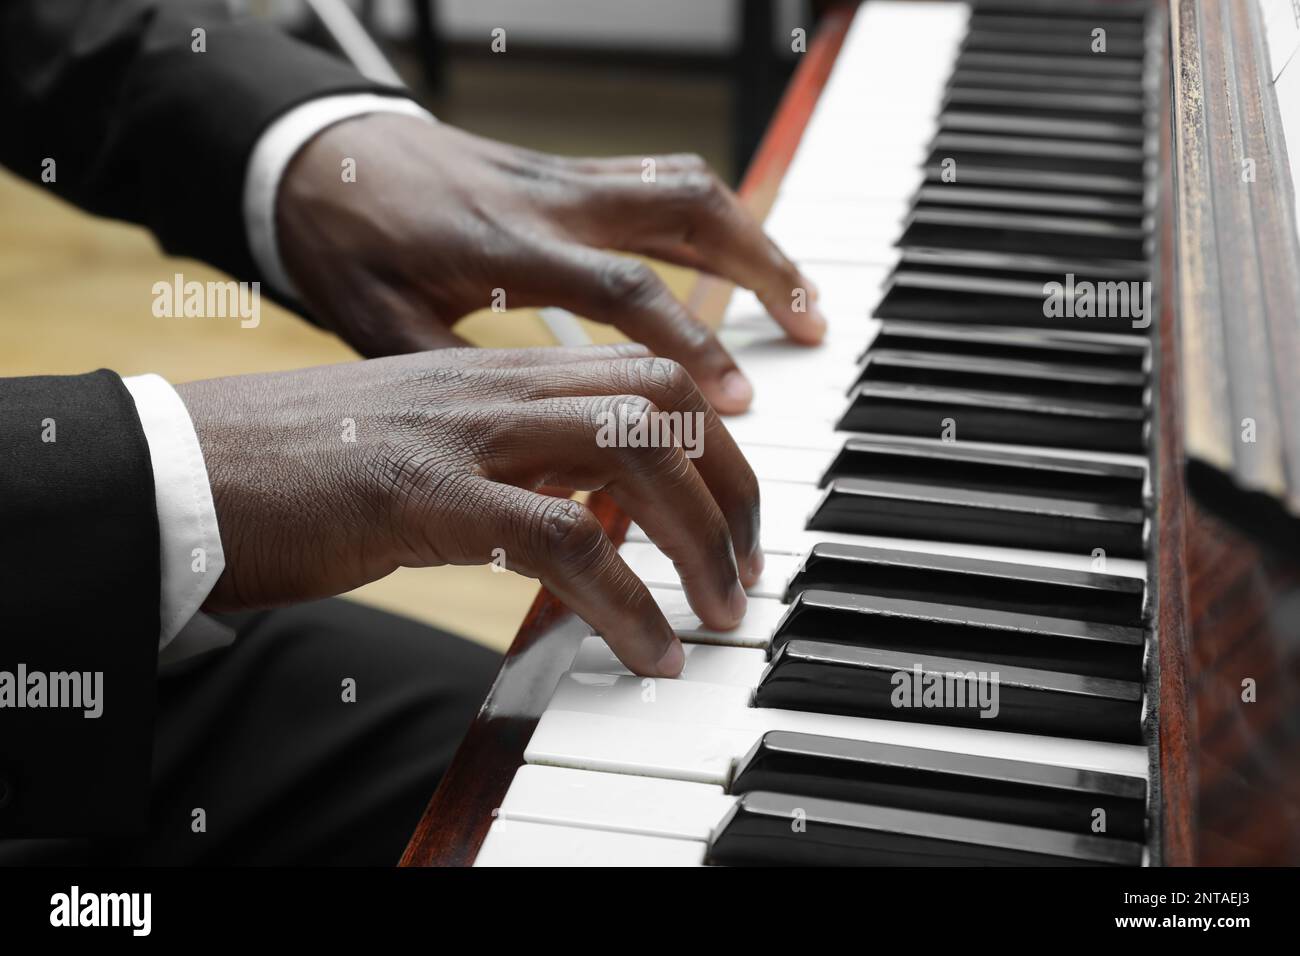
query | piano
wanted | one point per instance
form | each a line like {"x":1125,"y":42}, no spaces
{"x":1023,"y":602}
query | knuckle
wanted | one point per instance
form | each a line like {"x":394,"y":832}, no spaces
{"x":689,"y":162}
{"x":655,"y":452}
{"x":570,"y":534}
{"x":665,"y":379}
{"x":698,"y":186}
{"x":629,"y":408}
{"x":623,"y":280}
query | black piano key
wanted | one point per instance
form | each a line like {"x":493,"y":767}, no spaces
{"x":1022,"y":19}
{"x":1030,"y":154}
{"x":1065,"y":127}
{"x":1039,"y":269}
{"x":954,"y":370}
{"x":974,"y":466}
{"x":1021,"y":232}
{"x":1003,"y":79}
{"x":1082,"y":66}
{"x":1127,"y":110}
{"x":1035,"y":345}
{"x":972,"y":582}
{"x":984,"y":172}
{"x":925,"y":411}
{"x":771,"y":829}
{"x":1121,"y":307}
{"x":825,"y":678}
{"x":1060,"y":41}
{"x":948,"y":630}
{"x":938,"y":513}
{"x":936,"y":781}
{"x":1067,"y":204}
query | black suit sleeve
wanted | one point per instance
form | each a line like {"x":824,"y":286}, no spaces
{"x":140,"y":125}
{"x":79,"y":593}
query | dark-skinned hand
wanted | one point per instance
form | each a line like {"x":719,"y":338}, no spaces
{"x":437,"y":220}
{"x":327,"y":478}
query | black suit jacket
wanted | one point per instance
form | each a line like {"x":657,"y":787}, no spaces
{"x":140,"y":126}
{"x":144,"y":128}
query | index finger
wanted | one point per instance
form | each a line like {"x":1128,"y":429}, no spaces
{"x":689,"y":217}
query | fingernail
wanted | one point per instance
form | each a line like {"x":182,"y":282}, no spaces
{"x":813,"y":292}
{"x":674,"y":659}
{"x":757,"y":562}
{"x":736,"y":388}
{"x":737,"y":603}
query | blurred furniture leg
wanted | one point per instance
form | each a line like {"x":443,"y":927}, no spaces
{"x":760,"y":73}
{"x":429,"y":44}
{"x":347,"y":33}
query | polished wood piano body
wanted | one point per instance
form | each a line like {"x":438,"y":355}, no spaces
{"x":1225,"y":773}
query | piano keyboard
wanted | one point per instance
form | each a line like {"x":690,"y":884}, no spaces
{"x":957,"y":485}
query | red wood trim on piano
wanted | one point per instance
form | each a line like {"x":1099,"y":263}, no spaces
{"x":458,"y":816}
{"x":1176,"y":716}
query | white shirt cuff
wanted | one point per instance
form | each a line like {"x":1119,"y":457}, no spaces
{"x":190,"y":551}
{"x":271,"y":157}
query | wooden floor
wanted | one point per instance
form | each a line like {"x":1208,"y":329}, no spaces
{"x":75,"y":291}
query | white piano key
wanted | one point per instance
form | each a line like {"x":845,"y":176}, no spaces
{"x":854,"y":178}
{"x":656,"y":569}
{"x":788,"y":399}
{"x":706,"y":663}
{"x":879,"y":102}
{"x":754,"y":630}
{"x":816,"y":432}
{"x":800,"y":465}
{"x":676,"y":751}
{"x":858,"y":218}
{"x":848,"y":294}
{"x":848,"y":332}
{"x":653,"y":806}
{"x":773,"y":361}
{"x":793,"y":223}
{"x":805,"y":391}
{"x":845,"y":311}
{"x":721,"y":727}
{"x":523,"y":843}
{"x":873,"y":250}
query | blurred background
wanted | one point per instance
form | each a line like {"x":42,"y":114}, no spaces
{"x":578,"y":77}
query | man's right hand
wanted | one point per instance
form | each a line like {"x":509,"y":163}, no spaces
{"x":327,"y":478}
